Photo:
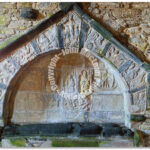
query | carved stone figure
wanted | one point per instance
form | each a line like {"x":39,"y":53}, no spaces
{"x":84,"y":82}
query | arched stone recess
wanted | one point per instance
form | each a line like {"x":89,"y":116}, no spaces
{"x":78,"y":30}
{"x":104,"y":104}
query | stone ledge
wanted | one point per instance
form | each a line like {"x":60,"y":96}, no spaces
{"x":67,"y":129}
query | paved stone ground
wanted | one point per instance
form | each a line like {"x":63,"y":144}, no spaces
{"x":113,"y":142}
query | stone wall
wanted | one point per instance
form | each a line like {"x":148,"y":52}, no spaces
{"x":129,"y":22}
{"x":12,"y":25}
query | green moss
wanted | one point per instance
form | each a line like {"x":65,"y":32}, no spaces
{"x":70,"y":143}
{"x":101,"y":143}
{"x":143,"y":47}
{"x":136,"y":139}
{"x":18,"y":142}
{"x":3,"y":20}
{"x":101,"y":52}
{"x":50,"y":14}
{"x":8,"y":41}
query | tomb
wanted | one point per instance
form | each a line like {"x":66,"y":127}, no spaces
{"x":70,"y":77}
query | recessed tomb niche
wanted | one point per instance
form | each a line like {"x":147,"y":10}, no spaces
{"x":79,"y":97}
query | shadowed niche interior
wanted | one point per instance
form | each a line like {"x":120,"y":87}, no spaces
{"x":33,"y":102}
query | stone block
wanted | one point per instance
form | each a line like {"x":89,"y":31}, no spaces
{"x":24,"y":55}
{"x":71,"y":35}
{"x":107,"y":103}
{"x":20,"y":24}
{"x":140,"y":99}
{"x":48,"y":40}
{"x":7,"y":71}
{"x":24,"y":4}
{"x":19,"y":118}
{"x":8,"y":5}
{"x":106,"y":117}
{"x":32,"y":81}
{"x":139,"y":5}
{"x":134,"y":76}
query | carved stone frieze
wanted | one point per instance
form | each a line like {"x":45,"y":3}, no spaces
{"x":134,"y":76}
{"x":7,"y":71}
{"x":48,"y":40}
{"x":95,"y":41}
{"x":139,"y":99}
{"x":24,"y":55}
{"x":71,"y":27}
{"x":116,"y":57}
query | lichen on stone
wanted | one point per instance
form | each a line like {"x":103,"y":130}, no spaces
{"x":8,"y":41}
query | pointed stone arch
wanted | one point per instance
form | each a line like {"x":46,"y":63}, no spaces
{"x":77,"y":29}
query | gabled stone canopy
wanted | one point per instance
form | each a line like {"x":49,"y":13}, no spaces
{"x":77,"y":29}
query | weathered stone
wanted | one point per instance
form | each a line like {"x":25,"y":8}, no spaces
{"x":49,"y":40}
{"x":7,"y":71}
{"x":24,"y":4}
{"x":3,"y":11}
{"x":145,"y":127}
{"x":94,"y":41}
{"x":111,"y":103}
{"x":123,"y":13}
{"x":134,"y":76}
{"x":117,"y":57}
{"x":134,"y":108}
{"x":140,"y":99}
{"x":8,"y":5}
{"x":71,"y":31}
{"x":47,"y":6}
{"x":4,"y":20}
{"x":21,"y":24}
{"x":137,"y":37}
{"x":106,"y":116}
{"x":26,"y":54}
{"x":6,"y":144}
